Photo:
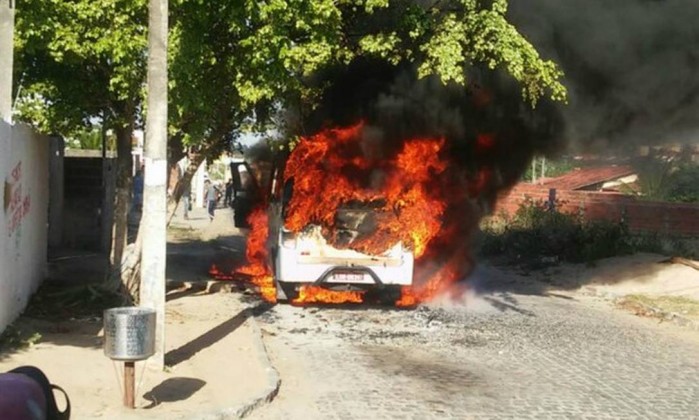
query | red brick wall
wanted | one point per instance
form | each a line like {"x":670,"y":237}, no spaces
{"x":680,"y":219}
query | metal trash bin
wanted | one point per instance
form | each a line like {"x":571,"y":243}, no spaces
{"x":129,"y":333}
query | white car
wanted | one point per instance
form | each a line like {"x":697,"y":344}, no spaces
{"x":306,"y":258}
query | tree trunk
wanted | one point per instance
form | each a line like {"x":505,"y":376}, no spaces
{"x":175,"y":152}
{"x":121,"y":204}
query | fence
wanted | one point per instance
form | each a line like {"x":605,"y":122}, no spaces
{"x":24,"y":167}
{"x":674,"y":219}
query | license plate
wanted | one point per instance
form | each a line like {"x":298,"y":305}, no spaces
{"x":347,"y":277}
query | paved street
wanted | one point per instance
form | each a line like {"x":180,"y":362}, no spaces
{"x":506,"y":354}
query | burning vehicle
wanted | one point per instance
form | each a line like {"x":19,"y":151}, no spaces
{"x":382,"y":199}
{"x":338,"y":224}
{"x":321,"y":242}
{"x":306,"y":257}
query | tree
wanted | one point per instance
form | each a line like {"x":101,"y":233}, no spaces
{"x":82,"y":62}
{"x":229,"y":69}
{"x":236,"y":62}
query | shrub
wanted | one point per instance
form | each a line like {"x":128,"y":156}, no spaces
{"x":539,"y":235}
{"x":684,"y":184}
{"x":668,"y":179}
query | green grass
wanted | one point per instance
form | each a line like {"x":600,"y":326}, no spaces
{"x":16,"y":338}
{"x":181,"y":233}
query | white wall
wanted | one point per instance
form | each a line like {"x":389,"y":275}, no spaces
{"x":24,"y":191}
{"x":7,"y":25}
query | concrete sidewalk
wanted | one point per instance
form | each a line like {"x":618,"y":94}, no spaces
{"x":217,"y":363}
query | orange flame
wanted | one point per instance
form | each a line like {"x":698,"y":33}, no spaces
{"x":315,"y":294}
{"x":257,"y":270}
{"x":258,"y":256}
{"x":418,"y":200}
{"x":484,"y":141}
{"x":218,"y":274}
{"x":437,"y":282}
{"x":331,"y":171}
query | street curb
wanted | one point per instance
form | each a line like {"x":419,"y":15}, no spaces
{"x":273,"y":379}
{"x":664,"y":315}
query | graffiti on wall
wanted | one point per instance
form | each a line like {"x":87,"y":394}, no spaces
{"x":16,"y":203}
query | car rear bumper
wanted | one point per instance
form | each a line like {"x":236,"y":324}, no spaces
{"x":293,"y":268}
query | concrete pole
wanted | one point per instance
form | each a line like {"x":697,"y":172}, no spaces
{"x":7,"y":29}
{"x":154,"y":219}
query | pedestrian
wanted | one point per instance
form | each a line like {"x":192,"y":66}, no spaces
{"x":229,"y":192}
{"x":137,"y":204}
{"x":186,"y":198}
{"x":211,"y":197}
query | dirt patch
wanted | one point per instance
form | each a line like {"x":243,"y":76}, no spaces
{"x":660,"y":306}
{"x":213,"y":351}
{"x":177,"y":234}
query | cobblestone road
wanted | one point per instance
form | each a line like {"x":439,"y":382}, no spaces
{"x":504,"y":355}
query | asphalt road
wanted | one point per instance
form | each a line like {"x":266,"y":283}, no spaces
{"x":504,"y":354}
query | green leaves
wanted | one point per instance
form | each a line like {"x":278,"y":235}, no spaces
{"x":233,"y":61}
{"x":371,"y":5}
{"x":477,"y":35}
{"x":383,"y":45}
{"x":444,"y":51}
{"x":84,"y":59}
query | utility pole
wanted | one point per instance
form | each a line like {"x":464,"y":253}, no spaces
{"x":154,"y":219}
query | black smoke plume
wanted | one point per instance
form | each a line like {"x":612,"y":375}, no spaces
{"x":395,"y":106}
{"x":632,"y":66}
{"x":490,"y":136}
{"x":631,"y":69}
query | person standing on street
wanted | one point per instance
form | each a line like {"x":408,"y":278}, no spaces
{"x":229,"y":192}
{"x":211,"y":197}
{"x":186,"y":197}
{"x":137,"y":202}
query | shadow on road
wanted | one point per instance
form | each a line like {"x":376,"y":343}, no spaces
{"x":209,"y":338}
{"x":495,"y":276}
{"x":503,"y":305}
{"x":191,"y":260}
